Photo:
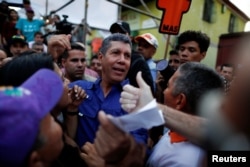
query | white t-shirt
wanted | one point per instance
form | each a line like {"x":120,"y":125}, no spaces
{"x":181,"y":154}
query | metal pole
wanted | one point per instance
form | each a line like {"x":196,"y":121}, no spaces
{"x":134,"y":9}
{"x":46,"y":8}
{"x":85,"y":25}
{"x":166,"y":49}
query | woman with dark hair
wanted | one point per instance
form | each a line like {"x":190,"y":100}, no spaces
{"x":22,"y":67}
{"x":9,"y":28}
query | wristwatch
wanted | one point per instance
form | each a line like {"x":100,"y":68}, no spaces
{"x":71,"y":113}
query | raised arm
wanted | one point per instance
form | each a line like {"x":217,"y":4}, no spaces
{"x":77,"y":94}
{"x":190,"y":126}
{"x":117,"y":147}
{"x":57,"y":44}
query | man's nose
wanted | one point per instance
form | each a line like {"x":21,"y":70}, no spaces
{"x":122,"y":58}
{"x":184,"y":53}
{"x":79,"y":63}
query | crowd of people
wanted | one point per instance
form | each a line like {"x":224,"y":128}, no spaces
{"x":56,"y":110}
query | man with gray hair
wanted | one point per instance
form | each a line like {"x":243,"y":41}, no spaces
{"x":104,"y":94}
{"x":138,"y":62}
{"x":185,"y":89}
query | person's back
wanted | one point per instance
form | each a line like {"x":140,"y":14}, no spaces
{"x":185,"y":89}
{"x":139,"y":64}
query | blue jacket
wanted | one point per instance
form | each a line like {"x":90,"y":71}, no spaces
{"x":88,"y":121}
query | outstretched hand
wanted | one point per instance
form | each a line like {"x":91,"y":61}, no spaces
{"x":111,"y":143}
{"x":133,"y":98}
{"x":117,"y":147}
{"x":57,"y":44}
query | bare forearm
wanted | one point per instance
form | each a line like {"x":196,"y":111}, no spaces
{"x":192,"y":127}
{"x":71,"y":122}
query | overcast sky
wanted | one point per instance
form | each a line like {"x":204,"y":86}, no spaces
{"x":244,"y":5}
{"x":101,"y":13}
{"x":99,"y":9}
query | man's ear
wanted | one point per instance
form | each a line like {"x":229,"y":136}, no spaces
{"x":181,"y":101}
{"x":35,"y":160}
{"x":203,"y":55}
{"x":100,"y":56}
{"x":63,"y":62}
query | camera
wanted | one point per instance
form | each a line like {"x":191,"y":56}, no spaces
{"x":64,"y":27}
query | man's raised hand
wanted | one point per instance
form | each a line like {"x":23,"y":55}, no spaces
{"x":132,"y":98}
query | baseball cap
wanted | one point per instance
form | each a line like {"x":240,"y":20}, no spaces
{"x":29,"y":10}
{"x":149,"y":38}
{"x":21,"y":111}
{"x":121,"y":25}
{"x":18,"y":39}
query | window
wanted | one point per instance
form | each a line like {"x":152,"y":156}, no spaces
{"x":209,"y":11}
{"x":223,"y":8}
{"x":232,"y":27}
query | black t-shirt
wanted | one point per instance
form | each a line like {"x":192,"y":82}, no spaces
{"x":138,"y":63}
